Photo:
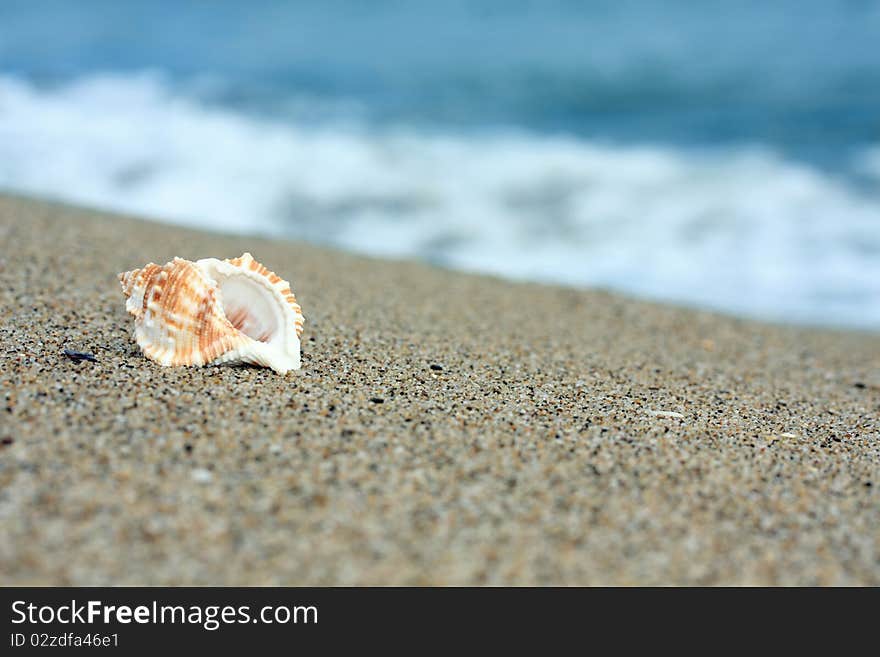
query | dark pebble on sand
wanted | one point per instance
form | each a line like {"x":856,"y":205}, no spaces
{"x":78,"y":356}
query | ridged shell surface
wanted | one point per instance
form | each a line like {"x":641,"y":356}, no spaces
{"x":214,"y":311}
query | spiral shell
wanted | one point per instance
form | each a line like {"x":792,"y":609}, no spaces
{"x":213,"y":311}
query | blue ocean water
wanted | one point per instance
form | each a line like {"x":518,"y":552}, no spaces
{"x":718,"y":153}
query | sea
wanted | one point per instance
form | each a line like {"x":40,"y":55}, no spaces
{"x":723,"y":154}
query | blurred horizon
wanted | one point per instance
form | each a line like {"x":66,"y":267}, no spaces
{"x":718,"y":154}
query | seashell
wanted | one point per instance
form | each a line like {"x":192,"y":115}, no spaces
{"x":211,"y":312}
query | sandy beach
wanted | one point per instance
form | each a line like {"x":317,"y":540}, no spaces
{"x":445,"y":429}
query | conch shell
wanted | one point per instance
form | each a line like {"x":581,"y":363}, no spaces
{"x":213,"y":311}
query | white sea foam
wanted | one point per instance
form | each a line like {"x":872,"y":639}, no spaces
{"x":740,"y":230}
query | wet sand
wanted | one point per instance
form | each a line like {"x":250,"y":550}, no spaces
{"x":444,"y":429}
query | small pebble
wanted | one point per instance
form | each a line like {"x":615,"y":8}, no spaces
{"x":79,"y":356}
{"x":202,"y":476}
{"x":665,"y":414}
